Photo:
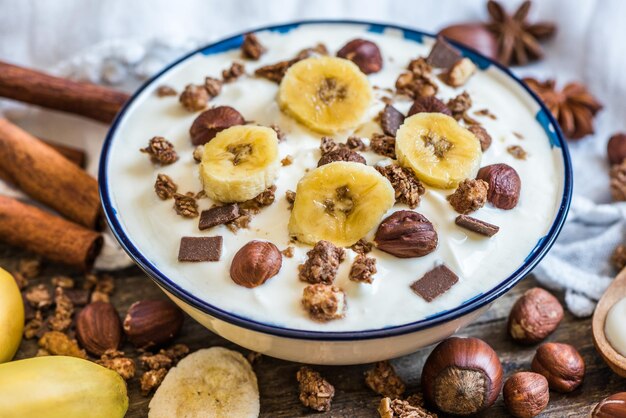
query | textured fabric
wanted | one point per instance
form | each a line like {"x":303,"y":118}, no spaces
{"x":121,"y":42}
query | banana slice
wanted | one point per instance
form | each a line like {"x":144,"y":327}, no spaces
{"x":339,"y":202}
{"x":440,"y":152}
{"x":239,"y":163}
{"x":327,"y":94}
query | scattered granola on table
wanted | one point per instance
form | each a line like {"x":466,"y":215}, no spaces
{"x":38,"y":296}
{"x":165,"y":187}
{"x":161,"y":151}
{"x":62,"y":281}
{"x":63,"y":311}
{"x":398,"y":408}
{"x":151,"y":380}
{"x":407,"y":187}
{"x":322,"y":263}
{"x":470,"y":195}
{"x":315,"y":391}
{"x":363,"y":269}
{"x":194,"y":98}
{"x":116,"y":361}
{"x":59,"y":344}
{"x":29,"y":267}
{"x":383,"y":380}
{"x":33,"y":326}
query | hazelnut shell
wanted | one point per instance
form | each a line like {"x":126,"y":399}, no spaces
{"x":255,"y":263}
{"x":365,"y":54}
{"x":526,"y":394}
{"x":504,"y":185}
{"x":613,"y":406}
{"x":462,"y":376}
{"x":98,"y":328}
{"x":406,"y":234}
{"x":534,"y":316}
{"x":210,"y":122}
{"x":474,"y":35}
{"x":152,"y":322}
{"x":561,"y":364}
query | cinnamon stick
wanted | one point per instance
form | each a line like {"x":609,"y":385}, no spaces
{"x":86,"y":99}
{"x":50,"y":236}
{"x":47,"y":176}
{"x":75,"y":155}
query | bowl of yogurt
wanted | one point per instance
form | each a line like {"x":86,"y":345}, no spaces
{"x":421,"y":290}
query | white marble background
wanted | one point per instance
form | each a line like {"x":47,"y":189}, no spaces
{"x":116,"y":40}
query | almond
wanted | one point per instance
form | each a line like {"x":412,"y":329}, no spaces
{"x":98,"y":328}
{"x":152,"y":322}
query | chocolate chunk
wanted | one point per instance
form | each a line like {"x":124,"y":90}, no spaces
{"x":435,"y":283}
{"x":443,"y":54}
{"x":200,"y":249}
{"x":390,"y":120}
{"x":218,"y":215}
{"x":476,"y":225}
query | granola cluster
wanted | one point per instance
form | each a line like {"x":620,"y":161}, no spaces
{"x":407,"y":187}
{"x":482,"y":135}
{"x":161,"y":151}
{"x":324,"y":302}
{"x":322,"y":263}
{"x":362,"y":246}
{"x":233,"y":72}
{"x":315,"y":391}
{"x":397,"y":408}
{"x":194,"y":98}
{"x":165,"y":187}
{"x":384,"y":145}
{"x":383,"y":380}
{"x":276,"y":72}
{"x":459,"y":106}
{"x":251,"y":47}
{"x":157,"y":365}
{"x":363,"y":269}
{"x":251,"y":207}
{"x":418,"y":81}
{"x":470,"y":195}
{"x":116,"y":361}
{"x":186,"y":205}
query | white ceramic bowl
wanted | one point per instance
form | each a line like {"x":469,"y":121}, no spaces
{"x":338,"y":347}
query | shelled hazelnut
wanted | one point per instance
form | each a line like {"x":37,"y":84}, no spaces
{"x":534,"y":316}
{"x":526,"y":394}
{"x":561,"y":364}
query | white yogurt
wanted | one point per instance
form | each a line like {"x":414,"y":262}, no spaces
{"x":480,"y":262}
{"x":614,"y":327}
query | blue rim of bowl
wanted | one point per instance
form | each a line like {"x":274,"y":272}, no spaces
{"x":442,"y":317}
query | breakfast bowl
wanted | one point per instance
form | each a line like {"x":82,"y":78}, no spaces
{"x":408,"y":304}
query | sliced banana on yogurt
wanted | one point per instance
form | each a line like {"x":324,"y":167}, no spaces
{"x":326,"y":94}
{"x":240,"y":163}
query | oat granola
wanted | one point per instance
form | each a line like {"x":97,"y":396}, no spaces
{"x":315,"y":391}
{"x":407,"y":187}
{"x":324,"y":302}
{"x":194,"y":98}
{"x":322,"y":263}
{"x":363,"y":269}
{"x":115,"y":360}
{"x":185,"y":205}
{"x":161,"y":151}
{"x":383,"y":380}
{"x":384,"y":145}
{"x":164,"y":187}
{"x":470,"y":196}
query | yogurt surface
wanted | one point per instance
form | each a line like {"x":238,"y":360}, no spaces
{"x":481,"y":263}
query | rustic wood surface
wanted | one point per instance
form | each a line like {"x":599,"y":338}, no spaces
{"x":278,"y":387}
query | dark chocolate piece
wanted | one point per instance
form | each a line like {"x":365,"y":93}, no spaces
{"x":390,"y":120}
{"x":200,"y":249}
{"x":443,"y":55}
{"x":218,"y":215}
{"x":435,"y":283}
{"x":476,"y":225}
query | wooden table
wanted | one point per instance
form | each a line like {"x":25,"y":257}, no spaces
{"x":277,"y":382}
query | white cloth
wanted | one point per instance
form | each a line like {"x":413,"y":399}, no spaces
{"x":134,"y":39}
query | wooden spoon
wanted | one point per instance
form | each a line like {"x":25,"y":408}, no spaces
{"x":615,"y":292}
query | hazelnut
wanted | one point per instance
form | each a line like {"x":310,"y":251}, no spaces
{"x":561,"y":364}
{"x":365,"y":54}
{"x":526,"y":394}
{"x":406,"y":234}
{"x":534,"y":316}
{"x":504,"y":185}
{"x":474,"y":35}
{"x":613,"y":406}
{"x":98,"y":328}
{"x":212,"y":121}
{"x":255,"y":263}
{"x":152,"y":322}
{"x":429,"y":104}
{"x":616,"y":148}
{"x":462,"y":376}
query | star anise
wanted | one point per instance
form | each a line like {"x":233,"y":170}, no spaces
{"x":518,"y":40}
{"x":573,"y":107}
